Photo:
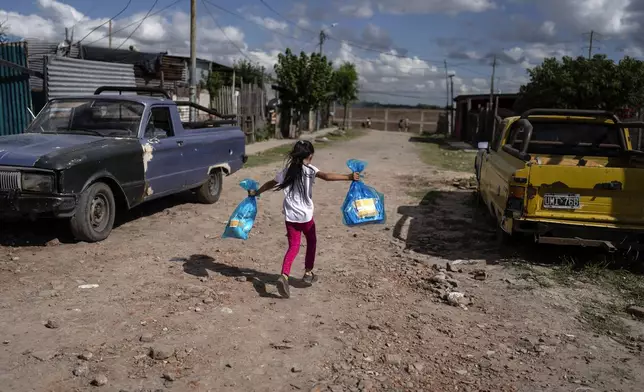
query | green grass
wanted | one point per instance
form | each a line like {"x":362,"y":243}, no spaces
{"x":278,"y":154}
{"x":434,"y":151}
{"x":602,"y":273}
{"x":602,"y":320}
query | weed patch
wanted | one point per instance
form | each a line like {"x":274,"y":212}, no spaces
{"x":434,"y":151}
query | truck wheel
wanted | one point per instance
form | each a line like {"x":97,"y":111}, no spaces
{"x":95,"y":213}
{"x":210,"y":191}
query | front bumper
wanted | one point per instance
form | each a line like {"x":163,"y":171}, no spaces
{"x":17,"y":204}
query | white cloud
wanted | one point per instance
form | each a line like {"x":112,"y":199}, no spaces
{"x":359,"y":9}
{"x":156,"y":33}
{"x":395,"y":75}
{"x":168,"y":31}
{"x":611,"y":17}
{"x":269,"y":23}
{"x":480,"y":82}
{"x":548,"y":28}
{"x":434,"y":6}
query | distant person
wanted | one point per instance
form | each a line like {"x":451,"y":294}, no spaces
{"x":401,"y":125}
{"x":369,"y":122}
{"x":406,"y":124}
{"x":296,"y":181}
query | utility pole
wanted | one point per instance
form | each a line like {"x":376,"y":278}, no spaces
{"x":451,"y":101}
{"x":317,"y":111}
{"x":322,"y":39}
{"x":492,"y":82}
{"x":592,"y":38}
{"x":447,"y":114}
{"x":234,"y":98}
{"x":193,"y":57}
{"x":109,"y":34}
{"x":489,"y":119}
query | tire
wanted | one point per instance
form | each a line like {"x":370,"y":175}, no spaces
{"x":503,"y":238}
{"x":209,"y":192}
{"x":95,"y":214}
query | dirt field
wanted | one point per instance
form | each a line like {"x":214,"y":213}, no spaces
{"x":176,"y":308}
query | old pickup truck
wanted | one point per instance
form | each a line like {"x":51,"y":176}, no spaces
{"x":86,"y":158}
{"x":567,"y":177}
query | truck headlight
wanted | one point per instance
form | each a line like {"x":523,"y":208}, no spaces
{"x":35,"y":182}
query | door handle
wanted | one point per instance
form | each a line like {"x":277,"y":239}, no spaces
{"x":180,"y":142}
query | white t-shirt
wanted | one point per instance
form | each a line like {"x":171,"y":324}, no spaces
{"x":298,"y":208}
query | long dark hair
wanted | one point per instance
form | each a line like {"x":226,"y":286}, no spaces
{"x":294,"y":176}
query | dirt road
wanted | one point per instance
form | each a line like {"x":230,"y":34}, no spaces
{"x":177,"y":308}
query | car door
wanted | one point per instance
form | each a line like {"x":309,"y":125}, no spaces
{"x":163,"y":155}
{"x":486,"y":170}
{"x":501,"y":167}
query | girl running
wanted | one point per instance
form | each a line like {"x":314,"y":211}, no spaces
{"x":296,"y":181}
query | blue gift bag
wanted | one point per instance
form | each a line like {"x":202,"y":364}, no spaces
{"x":243,"y":218}
{"x":363,"y":204}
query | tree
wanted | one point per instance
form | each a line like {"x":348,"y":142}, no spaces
{"x":212,"y":82}
{"x":345,"y":80}
{"x":581,"y":83}
{"x":305,"y":81}
{"x":245,"y":72}
{"x":3,"y":32}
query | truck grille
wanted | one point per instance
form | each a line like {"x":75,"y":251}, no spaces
{"x":9,"y":180}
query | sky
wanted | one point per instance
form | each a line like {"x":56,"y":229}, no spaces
{"x":398,"y":46}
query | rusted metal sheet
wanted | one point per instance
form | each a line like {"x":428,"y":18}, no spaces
{"x":37,"y":50}
{"x":71,"y":77}
{"x":15,"y":94}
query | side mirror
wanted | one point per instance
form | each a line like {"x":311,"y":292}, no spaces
{"x":483,"y":145}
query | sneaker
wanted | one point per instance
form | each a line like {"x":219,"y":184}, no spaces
{"x":283,"y":287}
{"x":309,"y":278}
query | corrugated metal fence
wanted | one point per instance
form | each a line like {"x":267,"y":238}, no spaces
{"x":67,"y":77}
{"x":15,"y":95}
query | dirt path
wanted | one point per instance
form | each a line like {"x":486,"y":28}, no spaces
{"x":376,"y":321}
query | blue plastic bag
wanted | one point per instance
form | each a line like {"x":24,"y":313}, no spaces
{"x":243,"y":218}
{"x":363,"y":204}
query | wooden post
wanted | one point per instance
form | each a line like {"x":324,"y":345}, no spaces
{"x":386,"y":119}
{"x":422,"y":122}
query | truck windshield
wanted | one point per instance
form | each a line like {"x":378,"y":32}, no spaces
{"x":568,"y":138}
{"x":99,"y":117}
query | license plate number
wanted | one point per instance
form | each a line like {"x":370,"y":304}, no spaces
{"x":561,"y":201}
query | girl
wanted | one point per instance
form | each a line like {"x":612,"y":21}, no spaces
{"x":296,"y":181}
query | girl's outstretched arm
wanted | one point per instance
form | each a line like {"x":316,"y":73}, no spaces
{"x":267,"y":186}
{"x":338,"y":177}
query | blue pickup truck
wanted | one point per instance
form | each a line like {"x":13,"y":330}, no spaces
{"x":85,"y":158}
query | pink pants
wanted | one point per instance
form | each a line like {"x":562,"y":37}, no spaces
{"x":294,"y":233}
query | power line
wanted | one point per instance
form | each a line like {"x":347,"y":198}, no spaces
{"x":591,"y":40}
{"x":137,"y":21}
{"x":247,"y":19}
{"x":81,"y":19}
{"x":224,"y":32}
{"x":139,"y":25}
{"x":286,"y":19}
{"x":348,"y":42}
{"x":107,"y":21}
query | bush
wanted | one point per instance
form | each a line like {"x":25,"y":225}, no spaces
{"x":265,"y":133}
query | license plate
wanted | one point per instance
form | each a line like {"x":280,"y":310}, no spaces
{"x":557,"y":201}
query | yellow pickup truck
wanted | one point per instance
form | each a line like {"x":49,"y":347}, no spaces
{"x":567,"y":177}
